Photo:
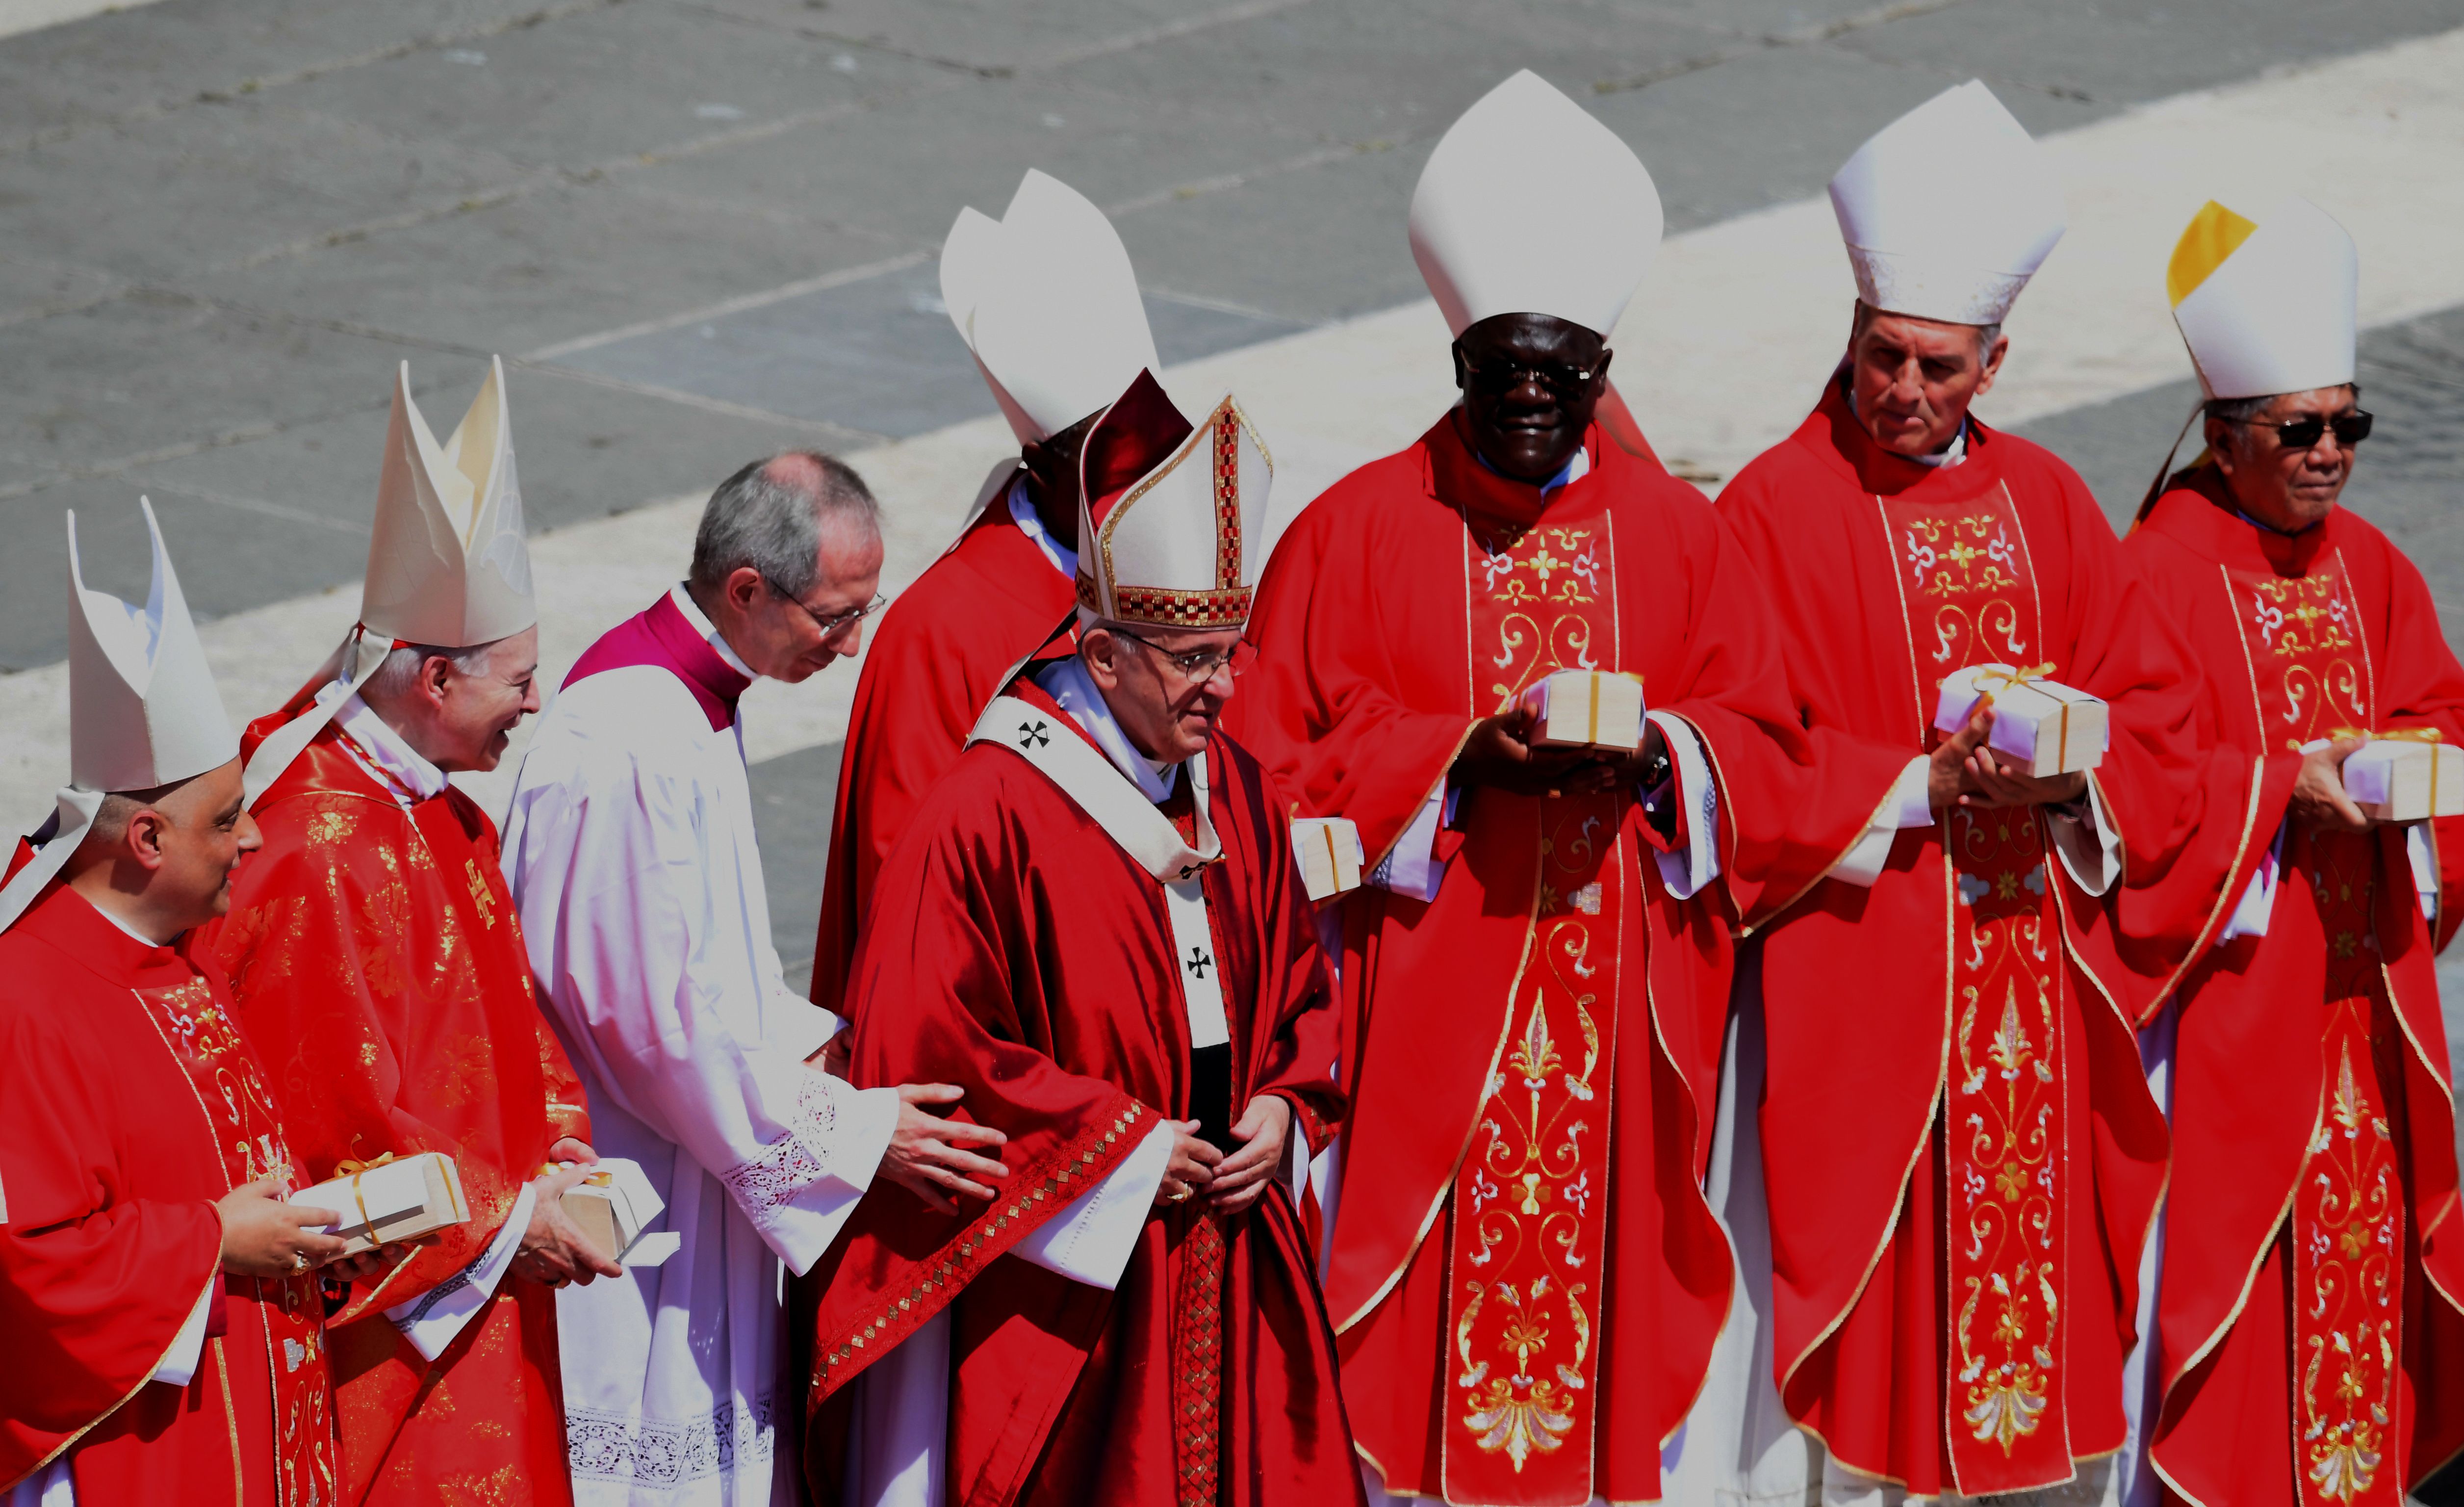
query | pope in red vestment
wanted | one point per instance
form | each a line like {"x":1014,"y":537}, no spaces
{"x":374,"y":950}
{"x":1102,"y":965}
{"x":1978,"y":961}
{"x":129,"y":1105}
{"x":2310,"y":1339}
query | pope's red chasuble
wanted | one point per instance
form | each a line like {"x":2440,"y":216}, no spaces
{"x":1522,"y":1270}
{"x":375,"y":954}
{"x":936,"y":659}
{"x":1960,"y":1153}
{"x":1020,"y":952}
{"x":2312,"y":1345}
{"x":129,"y":1105}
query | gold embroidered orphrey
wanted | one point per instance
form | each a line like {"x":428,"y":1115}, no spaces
{"x":1969,"y":590}
{"x":1527,"y":1237}
{"x":2310,"y":674}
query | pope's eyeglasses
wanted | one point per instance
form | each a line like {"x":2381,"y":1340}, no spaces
{"x":1199,"y":665}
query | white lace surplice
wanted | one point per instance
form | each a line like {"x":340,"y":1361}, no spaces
{"x":629,"y":846}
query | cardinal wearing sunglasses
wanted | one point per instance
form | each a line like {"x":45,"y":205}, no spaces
{"x":2308,"y":1322}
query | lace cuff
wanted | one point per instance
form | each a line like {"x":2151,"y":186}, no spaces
{"x":800,"y":1187}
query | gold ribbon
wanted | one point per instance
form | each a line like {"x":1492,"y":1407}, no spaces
{"x":594,"y":1179}
{"x":2023,"y":676}
{"x":2401,"y":735}
{"x":1333,"y":865}
{"x":356,"y":1170}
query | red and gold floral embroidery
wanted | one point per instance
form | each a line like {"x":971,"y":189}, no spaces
{"x":1969,"y":595}
{"x":2311,"y":674}
{"x":1526,"y":1242}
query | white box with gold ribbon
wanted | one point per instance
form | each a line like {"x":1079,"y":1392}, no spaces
{"x":613,"y":1205}
{"x":2402,"y":779}
{"x":391,"y":1198}
{"x":1586,"y":709}
{"x":1329,"y":850}
{"x":2048,"y":728}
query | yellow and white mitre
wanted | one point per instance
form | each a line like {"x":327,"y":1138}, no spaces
{"x":1948,"y":211}
{"x":448,"y":564}
{"x":1172,"y":518}
{"x":1047,"y":304}
{"x":2266,"y":307}
{"x":144,"y":711}
{"x":1530,"y":206}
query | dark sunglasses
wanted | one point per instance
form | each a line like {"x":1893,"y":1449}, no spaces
{"x":2351,"y":429}
{"x":1497,"y":376}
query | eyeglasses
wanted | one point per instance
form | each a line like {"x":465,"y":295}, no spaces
{"x":1199,"y":665}
{"x":2351,"y":429}
{"x":836,"y":620}
{"x":1498,"y":375}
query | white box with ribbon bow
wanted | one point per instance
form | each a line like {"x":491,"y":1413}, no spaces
{"x":2406,"y":779}
{"x":1586,"y":709}
{"x":390,"y":1199}
{"x":614,"y":1205}
{"x":1329,"y":850}
{"x":2048,"y":728}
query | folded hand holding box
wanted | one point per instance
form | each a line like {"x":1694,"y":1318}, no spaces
{"x":2047,"y":726}
{"x":1329,"y":850}
{"x":613,"y":1205}
{"x":2404,"y":776}
{"x":390,"y":1199}
{"x":1586,"y":709}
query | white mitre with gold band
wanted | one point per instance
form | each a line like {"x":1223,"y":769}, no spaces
{"x":447,"y":563}
{"x":1171,"y":519}
{"x":144,"y":711}
{"x":2266,"y":307}
{"x":1578,"y":258}
{"x":1048,"y":302}
{"x":1948,"y":211}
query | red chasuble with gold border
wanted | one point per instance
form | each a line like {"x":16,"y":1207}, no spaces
{"x":129,"y":1105}
{"x":375,"y":957}
{"x":1021,"y":953}
{"x":1526,"y":1278}
{"x":2312,"y":1339}
{"x":1959,"y":1154}
{"x":936,"y":659}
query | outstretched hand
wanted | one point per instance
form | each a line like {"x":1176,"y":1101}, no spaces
{"x":926,"y":1155}
{"x":2318,"y":794}
{"x":1966,"y":771}
{"x":264,"y":1237}
{"x":1499,"y":752}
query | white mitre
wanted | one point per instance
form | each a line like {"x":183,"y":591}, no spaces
{"x":1048,"y":302}
{"x":142,"y":708}
{"x":448,"y":564}
{"x":2266,"y":307}
{"x":1530,"y":206}
{"x":1172,"y":522}
{"x":1948,"y":211}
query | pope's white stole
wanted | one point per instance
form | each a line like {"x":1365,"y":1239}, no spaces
{"x":1047,"y":741}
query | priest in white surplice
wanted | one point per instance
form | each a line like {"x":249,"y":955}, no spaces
{"x":631,"y":849}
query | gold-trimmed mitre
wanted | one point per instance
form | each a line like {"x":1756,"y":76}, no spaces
{"x":1172,"y":521}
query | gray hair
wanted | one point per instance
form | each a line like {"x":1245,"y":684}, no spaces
{"x":1986,"y":334}
{"x":2241,"y":410}
{"x":770,"y":515}
{"x":399,"y":676}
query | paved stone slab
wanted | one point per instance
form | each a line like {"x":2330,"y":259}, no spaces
{"x":793,"y":801}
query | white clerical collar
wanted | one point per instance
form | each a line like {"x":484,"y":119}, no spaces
{"x":700,"y":622}
{"x":377,"y":746}
{"x":1022,"y":511}
{"x":1574,"y":470}
{"x":1951,"y":456}
{"x":1071,"y":688}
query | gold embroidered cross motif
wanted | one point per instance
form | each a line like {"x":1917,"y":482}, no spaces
{"x":480,"y":895}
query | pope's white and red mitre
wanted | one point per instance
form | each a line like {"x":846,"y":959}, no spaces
{"x":2266,"y":307}
{"x":1529,"y":206}
{"x":1047,"y":304}
{"x":448,"y":564}
{"x":144,"y":711}
{"x":1948,"y":211}
{"x":1171,"y":519}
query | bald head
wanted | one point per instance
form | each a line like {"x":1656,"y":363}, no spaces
{"x":774,"y":515}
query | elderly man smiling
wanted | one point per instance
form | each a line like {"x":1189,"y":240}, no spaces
{"x":2308,"y":1311}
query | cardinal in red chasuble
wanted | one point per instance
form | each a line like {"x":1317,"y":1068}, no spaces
{"x":2311,"y":1340}
{"x":1046,"y":302}
{"x":1959,"y":1154}
{"x":1095,"y":926}
{"x":375,"y":955}
{"x":159,"y":1305}
{"x":1524,"y":1274}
